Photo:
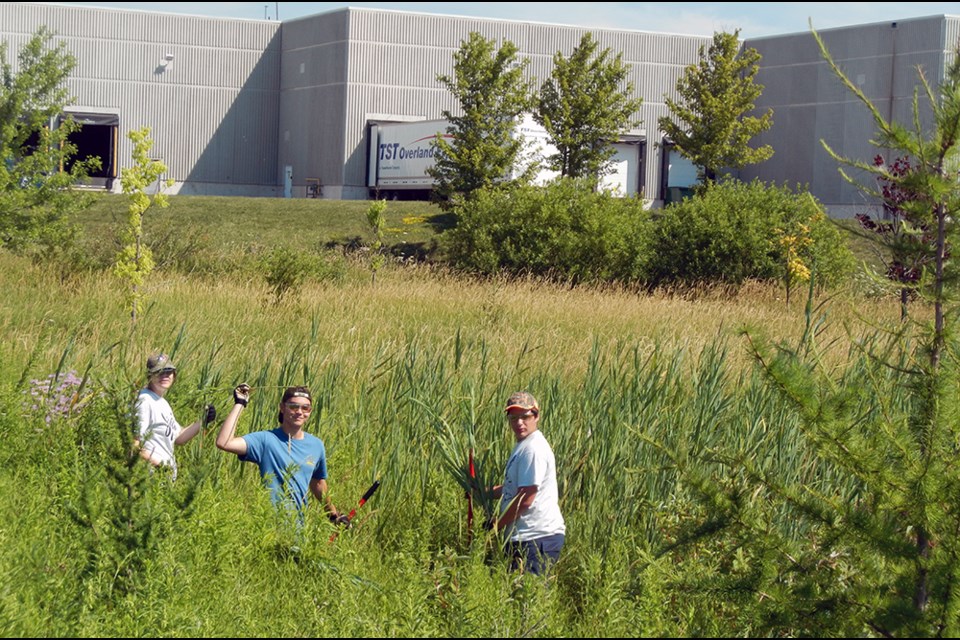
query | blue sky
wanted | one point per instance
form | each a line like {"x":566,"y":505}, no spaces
{"x":754,"y":19}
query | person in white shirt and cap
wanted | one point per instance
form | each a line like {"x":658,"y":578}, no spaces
{"x":159,"y":430}
{"x":529,"y":507}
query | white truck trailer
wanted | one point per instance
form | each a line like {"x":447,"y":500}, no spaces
{"x":401,"y":152}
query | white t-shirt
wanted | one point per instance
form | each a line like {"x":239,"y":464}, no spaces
{"x":531,"y":463}
{"x":158,"y":428}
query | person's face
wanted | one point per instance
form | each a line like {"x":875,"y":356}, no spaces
{"x":161,"y":381}
{"x":295,"y":411}
{"x":523,"y":422}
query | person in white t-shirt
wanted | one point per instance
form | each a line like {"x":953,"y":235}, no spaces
{"x":529,"y":500}
{"x":159,"y":430}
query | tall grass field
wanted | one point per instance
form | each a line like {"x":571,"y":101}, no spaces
{"x":409,"y":371}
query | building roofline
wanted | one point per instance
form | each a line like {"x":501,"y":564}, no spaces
{"x":859,"y":25}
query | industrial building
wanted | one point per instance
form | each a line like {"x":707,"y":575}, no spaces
{"x":285,"y":109}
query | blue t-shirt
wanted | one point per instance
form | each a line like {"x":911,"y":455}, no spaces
{"x":287,"y":465}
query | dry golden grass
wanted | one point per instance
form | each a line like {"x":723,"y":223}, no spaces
{"x":353,"y":322}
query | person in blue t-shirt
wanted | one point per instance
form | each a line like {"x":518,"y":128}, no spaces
{"x":293,"y":463}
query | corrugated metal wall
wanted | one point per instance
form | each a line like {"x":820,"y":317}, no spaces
{"x":313,"y":83}
{"x":242,"y":99}
{"x":212,"y":109}
{"x":810,"y":104}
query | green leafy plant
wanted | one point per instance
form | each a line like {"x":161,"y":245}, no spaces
{"x":489,"y":86}
{"x":38,"y":170}
{"x":285,"y":270}
{"x":732,"y":233}
{"x":125,"y":511}
{"x":377,"y":221}
{"x":564,"y":231}
{"x":707,"y":120}
{"x":584,"y":107}
{"x":135,"y":260}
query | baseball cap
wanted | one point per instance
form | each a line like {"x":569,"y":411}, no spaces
{"x":523,"y":400}
{"x":159,"y":362}
{"x":296,"y":392}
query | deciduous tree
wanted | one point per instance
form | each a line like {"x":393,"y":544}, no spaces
{"x":36,"y":194}
{"x":135,"y":260}
{"x":708,"y":122}
{"x":489,"y":85}
{"x":585,"y":106}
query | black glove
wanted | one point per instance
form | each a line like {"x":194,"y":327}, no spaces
{"x":210,"y":415}
{"x":340,"y":519}
{"x":490,"y":524}
{"x":241,"y":395}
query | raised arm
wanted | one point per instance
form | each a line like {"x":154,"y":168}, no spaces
{"x":226,"y":438}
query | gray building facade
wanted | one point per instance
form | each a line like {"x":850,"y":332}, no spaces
{"x":811,"y":106}
{"x":265,"y":108}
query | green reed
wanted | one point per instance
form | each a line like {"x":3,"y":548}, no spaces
{"x":407,"y":375}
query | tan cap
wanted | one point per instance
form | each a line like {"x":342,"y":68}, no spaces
{"x":522,"y":400}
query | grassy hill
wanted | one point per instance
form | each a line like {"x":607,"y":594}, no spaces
{"x":216,"y":225}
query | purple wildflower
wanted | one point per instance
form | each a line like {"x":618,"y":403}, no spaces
{"x":56,"y":396}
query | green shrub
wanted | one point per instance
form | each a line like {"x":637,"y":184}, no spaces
{"x":736,"y":231}
{"x":286,"y":269}
{"x":186,"y":248}
{"x":564,"y":230}
{"x":830,"y":253}
{"x":377,"y":220}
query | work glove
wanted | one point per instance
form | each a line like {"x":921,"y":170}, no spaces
{"x":209,"y":415}
{"x":241,"y":395}
{"x":341,"y":520}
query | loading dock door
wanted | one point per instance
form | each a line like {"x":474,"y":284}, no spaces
{"x":678,"y":175}
{"x":98,"y":137}
{"x":624,"y":171}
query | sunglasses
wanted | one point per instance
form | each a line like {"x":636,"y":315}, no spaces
{"x":296,"y":406}
{"x":166,"y":372}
